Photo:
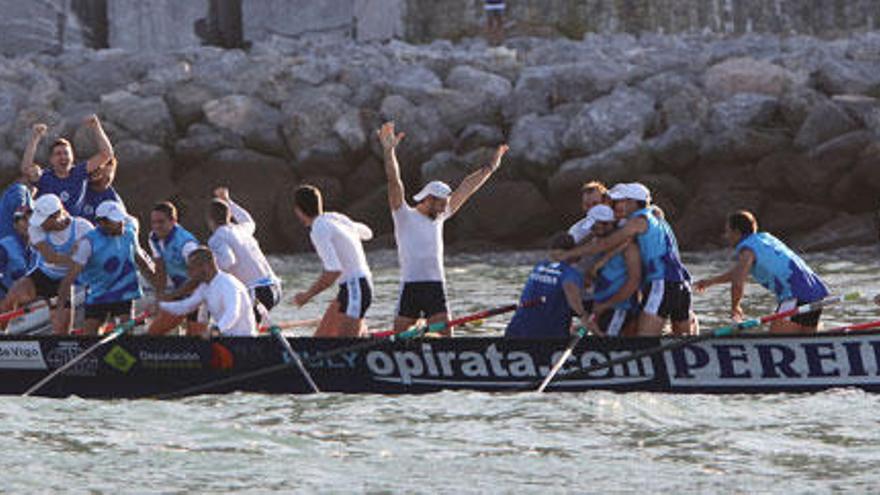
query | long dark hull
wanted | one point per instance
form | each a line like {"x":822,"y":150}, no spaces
{"x":134,"y":367}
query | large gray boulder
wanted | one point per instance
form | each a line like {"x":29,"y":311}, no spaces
{"x":741,"y":146}
{"x":676,"y":149}
{"x":146,"y":118}
{"x":308,"y":126}
{"x":478,"y":136}
{"x":722,"y":190}
{"x":445,"y":166}
{"x":512,"y":211}
{"x":250,"y":118}
{"x":844,"y":230}
{"x":144,"y":176}
{"x":747,"y":75}
{"x":605,"y":121}
{"x":425,"y":134}
{"x":536,"y":145}
{"x":825,"y":121}
{"x":841,"y":76}
{"x":471,"y":80}
{"x":185,"y":102}
{"x":811,"y":177}
{"x":416,"y":82}
{"x":743,"y":110}
{"x":90,"y":75}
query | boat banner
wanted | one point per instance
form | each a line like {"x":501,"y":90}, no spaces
{"x":24,"y":355}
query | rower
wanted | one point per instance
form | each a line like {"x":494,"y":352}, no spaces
{"x":107,"y":260}
{"x":67,"y":179}
{"x":17,"y":257}
{"x":53,"y":233}
{"x":616,"y":279}
{"x":593,"y":193}
{"x":225,"y":297}
{"x":559,"y":285}
{"x":100,"y":189}
{"x":418,"y":232}
{"x":666,"y":282}
{"x":171,"y":245}
{"x":238,"y":252}
{"x":19,"y":195}
{"x":773,"y":265}
{"x":338,"y":241}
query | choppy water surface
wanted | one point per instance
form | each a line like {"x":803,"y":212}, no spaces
{"x":462,"y":441}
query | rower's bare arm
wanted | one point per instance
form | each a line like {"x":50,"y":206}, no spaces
{"x":594,"y":270}
{"x":160,"y":279}
{"x":633,"y":277}
{"x":184,"y":306}
{"x":473,"y":182}
{"x":574,"y":298}
{"x":105,"y":149}
{"x":147,"y":268}
{"x":184,"y":290}
{"x":65,"y":289}
{"x":389,"y":140}
{"x":326,"y":280}
{"x":28,"y":167}
{"x":632,"y":228}
{"x":53,"y":257}
{"x":739,"y":275}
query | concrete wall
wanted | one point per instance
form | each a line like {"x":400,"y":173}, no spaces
{"x":154,"y":24}
{"x":33,"y":26}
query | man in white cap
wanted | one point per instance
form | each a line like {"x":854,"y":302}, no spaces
{"x":225,"y":297}
{"x":338,"y":240}
{"x":54,"y":234}
{"x":107,"y":259}
{"x":665,"y":281}
{"x":615,"y":279}
{"x":419,"y":234}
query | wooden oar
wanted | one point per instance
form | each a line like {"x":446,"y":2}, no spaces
{"x":360,"y":346}
{"x":15,"y":313}
{"x":292,"y":355}
{"x":562,"y":359}
{"x":855,"y":327}
{"x":721,"y":332}
{"x":115,"y":334}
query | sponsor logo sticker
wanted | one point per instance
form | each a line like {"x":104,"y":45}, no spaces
{"x":170,"y":359}
{"x":25,"y":355}
{"x":120,"y":359}
{"x":64,"y":352}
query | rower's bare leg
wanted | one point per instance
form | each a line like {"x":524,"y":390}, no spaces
{"x":402,"y":323}
{"x":441,"y":318}
{"x":62,"y":319}
{"x":351,"y":327}
{"x":330,"y":323}
{"x":683,"y":327}
{"x":788,"y":326}
{"x":196,"y":329}
{"x":22,"y":292}
{"x":650,"y":325}
{"x":164,"y":322}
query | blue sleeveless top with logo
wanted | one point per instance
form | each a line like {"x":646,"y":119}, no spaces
{"x":781,"y":271}
{"x":95,"y":198}
{"x":111,"y":273}
{"x":609,"y":281}
{"x":553,"y":317}
{"x":659,"y":250}
{"x":71,"y":190}
{"x":172,"y":253}
{"x":66,"y":248}
{"x":16,"y":259}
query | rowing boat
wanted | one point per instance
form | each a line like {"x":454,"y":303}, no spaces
{"x":167,"y":366}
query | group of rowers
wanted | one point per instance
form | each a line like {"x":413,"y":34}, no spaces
{"x":618,"y":270}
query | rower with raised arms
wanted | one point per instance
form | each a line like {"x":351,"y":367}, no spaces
{"x":54,"y":234}
{"x":171,"y":245}
{"x":65,"y":178}
{"x":238,"y":252}
{"x":100,"y":189}
{"x":773,"y":265}
{"x":666,"y":290}
{"x":107,"y":260}
{"x":226,"y":298}
{"x":338,"y":241}
{"x":419,"y":234}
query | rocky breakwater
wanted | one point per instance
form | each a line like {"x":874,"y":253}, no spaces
{"x":784,"y":126}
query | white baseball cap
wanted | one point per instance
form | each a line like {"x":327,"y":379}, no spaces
{"x":633,"y":190}
{"x":111,"y":210}
{"x":435,"y":188}
{"x":44,"y":207}
{"x":600,"y":213}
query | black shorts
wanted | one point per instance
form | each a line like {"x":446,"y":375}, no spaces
{"x":422,"y":300}
{"x":613,"y":321}
{"x":268,"y":296}
{"x":354,"y":297}
{"x":810,"y":319}
{"x":46,"y":286}
{"x":668,"y":300}
{"x":103,"y":312}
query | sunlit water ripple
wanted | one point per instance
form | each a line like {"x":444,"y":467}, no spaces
{"x":463,"y":441}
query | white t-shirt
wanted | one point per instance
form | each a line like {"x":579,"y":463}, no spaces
{"x":337,"y":239}
{"x":228,"y":303}
{"x":58,"y":238}
{"x":238,"y":252}
{"x":419,"y":244}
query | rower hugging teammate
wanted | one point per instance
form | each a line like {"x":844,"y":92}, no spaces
{"x":618,"y":270}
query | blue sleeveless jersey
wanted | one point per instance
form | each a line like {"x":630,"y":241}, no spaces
{"x":781,"y":271}
{"x":609,"y":281}
{"x":18,"y":258}
{"x":553,"y":317}
{"x":71,"y":190}
{"x":94,"y":198}
{"x":659,"y":251}
{"x":111,"y":273}
{"x":172,"y":253}
{"x":14,"y":197}
{"x":56,"y":273}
